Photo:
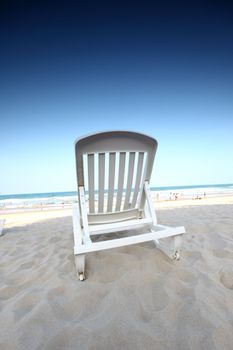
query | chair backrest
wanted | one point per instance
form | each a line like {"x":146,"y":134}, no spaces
{"x":112,"y":166}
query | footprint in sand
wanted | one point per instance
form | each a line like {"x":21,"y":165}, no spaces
{"x":54,"y":240}
{"x":226,"y":276}
{"x":27,"y":265}
{"x":8,"y":292}
{"x":187,"y":275}
{"x":193,"y":256}
{"x":24,"y":305}
{"x":154,"y":298}
{"x":220,"y":253}
{"x":56,"y":291}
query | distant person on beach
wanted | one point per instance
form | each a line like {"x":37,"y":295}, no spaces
{"x":173,"y":195}
{"x":198,"y":197}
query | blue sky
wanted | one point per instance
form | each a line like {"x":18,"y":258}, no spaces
{"x":67,"y":70}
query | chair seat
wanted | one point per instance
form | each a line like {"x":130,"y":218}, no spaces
{"x":117,"y":216}
{"x":120,"y":226}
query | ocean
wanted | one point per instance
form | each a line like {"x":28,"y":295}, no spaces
{"x":54,"y":199}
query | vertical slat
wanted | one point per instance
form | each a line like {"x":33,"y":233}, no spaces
{"x":138,"y":178}
{"x":142,"y":197}
{"x":91,"y":187}
{"x":111,"y":178}
{"x":101,"y":182}
{"x":129,"y":179}
{"x":120,"y":180}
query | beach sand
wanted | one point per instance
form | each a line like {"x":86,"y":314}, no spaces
{"x":134,"y":297}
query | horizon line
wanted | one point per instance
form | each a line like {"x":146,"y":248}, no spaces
{"x":152,"y":187}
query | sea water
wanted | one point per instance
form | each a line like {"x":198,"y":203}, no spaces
{"x":54,"y":199}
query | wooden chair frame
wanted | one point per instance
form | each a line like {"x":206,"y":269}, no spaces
{"x":138,"y":214}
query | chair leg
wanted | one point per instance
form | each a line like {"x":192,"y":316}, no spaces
{"x":80,"y":266}
{"x":176,"y":250}
{"x":177,"y":247}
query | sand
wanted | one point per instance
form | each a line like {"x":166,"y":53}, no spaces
{"x":134,"y":297}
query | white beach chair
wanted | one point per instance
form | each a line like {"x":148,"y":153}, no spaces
{"x":1,"y":226}
{"x":114,"y":169}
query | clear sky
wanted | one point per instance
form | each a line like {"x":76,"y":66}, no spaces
{"x":67,"y":69}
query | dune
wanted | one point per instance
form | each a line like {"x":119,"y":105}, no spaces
{"x":134,"y":297}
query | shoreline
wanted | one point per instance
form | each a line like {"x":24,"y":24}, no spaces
{"x":59,"y":200}
{"x":180,"y":201}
